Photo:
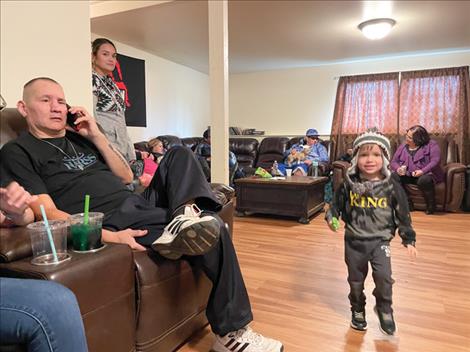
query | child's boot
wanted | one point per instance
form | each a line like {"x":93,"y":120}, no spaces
{"x":358,"y":320}
{"x":387,"y":323}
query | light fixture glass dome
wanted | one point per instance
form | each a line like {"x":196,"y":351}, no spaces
{"x":376,"y":28}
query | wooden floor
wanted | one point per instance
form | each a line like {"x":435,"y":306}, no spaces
{"x":296,"y":278}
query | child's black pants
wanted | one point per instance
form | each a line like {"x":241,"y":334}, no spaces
{"x":358,"y":254}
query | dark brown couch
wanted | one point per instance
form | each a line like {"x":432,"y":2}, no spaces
{"x":130,"y":301}
{"x":449,"y":194}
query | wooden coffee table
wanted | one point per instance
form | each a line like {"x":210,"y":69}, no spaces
{"x":297,"y":196}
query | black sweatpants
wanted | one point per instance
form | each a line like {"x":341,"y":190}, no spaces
{"x":179,"y":179}
{"x":358,"y":254}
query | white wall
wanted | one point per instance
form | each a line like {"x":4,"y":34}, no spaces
{"x":290,"y":101}
{"x":46,"y":38}
{"x":177,"y":97}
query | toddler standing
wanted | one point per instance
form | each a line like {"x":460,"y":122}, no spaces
{"x":372,"y":206}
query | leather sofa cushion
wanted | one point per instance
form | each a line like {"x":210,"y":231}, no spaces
{"x":294,"y":140}
{"x":246,"y":150}
{"x":142,"y":146}
{"x":418,"y":200}
{"x":271,"y":149}
{"x":170,"y":141}
{"x":12,"y":124}
{"x":14,"y":244}
{"x":273,"y":145}
{"x":191,"y":142}
{"x":169,"y":293}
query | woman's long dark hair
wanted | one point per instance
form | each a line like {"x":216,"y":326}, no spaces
{"x":420,"y":135}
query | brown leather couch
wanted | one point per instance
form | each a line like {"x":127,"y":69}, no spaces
{"x":449,"y":194}
{"x":130,"y":301}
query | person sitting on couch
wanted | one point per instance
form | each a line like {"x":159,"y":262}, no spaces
{"x":203,"y":153}
{"x":418,"y":161}
{"x":156,"y":149}
{"x":311,"y":151}
{"x":61,"y":167}
{"x":149,"y":160}
{"x":37,"y":314}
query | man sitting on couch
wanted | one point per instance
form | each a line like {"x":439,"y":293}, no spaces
{"x":310,"y":151}
{"x":61,"y":167}
{"x":203,"y":154}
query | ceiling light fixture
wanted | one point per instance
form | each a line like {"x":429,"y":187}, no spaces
{"x":376,"y":28}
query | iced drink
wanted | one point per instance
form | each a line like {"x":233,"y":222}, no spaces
{"x":86,"y":237}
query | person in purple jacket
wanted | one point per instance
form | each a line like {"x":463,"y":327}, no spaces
{"x":418,"y":161}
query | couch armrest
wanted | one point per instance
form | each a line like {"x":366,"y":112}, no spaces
{"x":227,"y":191}
{"x":339,"y":172}
{"x":103,"y":283}
{"x":455,"y":185}
{"x":14,"y":244}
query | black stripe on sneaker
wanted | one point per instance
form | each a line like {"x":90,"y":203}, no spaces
{"x":244,"y":347}
{"x":234,"y":347}
{"x":229,"y":343}
{"x":171,"y":226}
{"x":177,"y":226}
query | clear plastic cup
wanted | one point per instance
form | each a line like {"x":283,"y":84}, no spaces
{"x":288,"y":172}
{"x":86,"y":237}
{"x":40,"y":243}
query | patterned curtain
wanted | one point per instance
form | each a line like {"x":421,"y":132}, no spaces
{"x":363,"y":102}
{"x":438,"y":100}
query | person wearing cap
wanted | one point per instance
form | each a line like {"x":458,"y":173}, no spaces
{"x":316,"y":152}
{"x":373,"y":206}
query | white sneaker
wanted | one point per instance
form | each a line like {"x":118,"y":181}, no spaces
{"x":188,"y":234}
{"x":245,"y":340}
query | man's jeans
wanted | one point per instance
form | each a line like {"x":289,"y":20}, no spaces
{"x":42,"y":315}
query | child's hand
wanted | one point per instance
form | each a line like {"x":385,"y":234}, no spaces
{"x":412,"y":251}
{"x":333,"y":224}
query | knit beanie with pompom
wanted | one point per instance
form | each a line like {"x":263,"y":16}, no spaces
{"x":370,"y":136}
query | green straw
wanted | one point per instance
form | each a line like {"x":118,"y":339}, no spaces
{"x":49,"y":233}
{"x":87,"y":208}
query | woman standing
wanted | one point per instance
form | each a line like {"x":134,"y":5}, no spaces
{"x":417,"y":161}
{"x":108,"y":101}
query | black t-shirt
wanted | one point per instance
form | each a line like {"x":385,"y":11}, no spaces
{"x":67,"y":175}
{"x":5,"y":178}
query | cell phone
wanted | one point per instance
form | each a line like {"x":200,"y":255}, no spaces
{"x":71,"y":118}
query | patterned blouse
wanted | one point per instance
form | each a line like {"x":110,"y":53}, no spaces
{"x":109,"y":110}
{"x":109,"y":97}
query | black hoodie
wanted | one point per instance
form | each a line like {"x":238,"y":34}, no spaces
{"x":375,"y":209}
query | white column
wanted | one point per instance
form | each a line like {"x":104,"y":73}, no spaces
{"x":218,"y":72}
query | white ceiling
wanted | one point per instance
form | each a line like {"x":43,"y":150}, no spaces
{"x":283,"y":34}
